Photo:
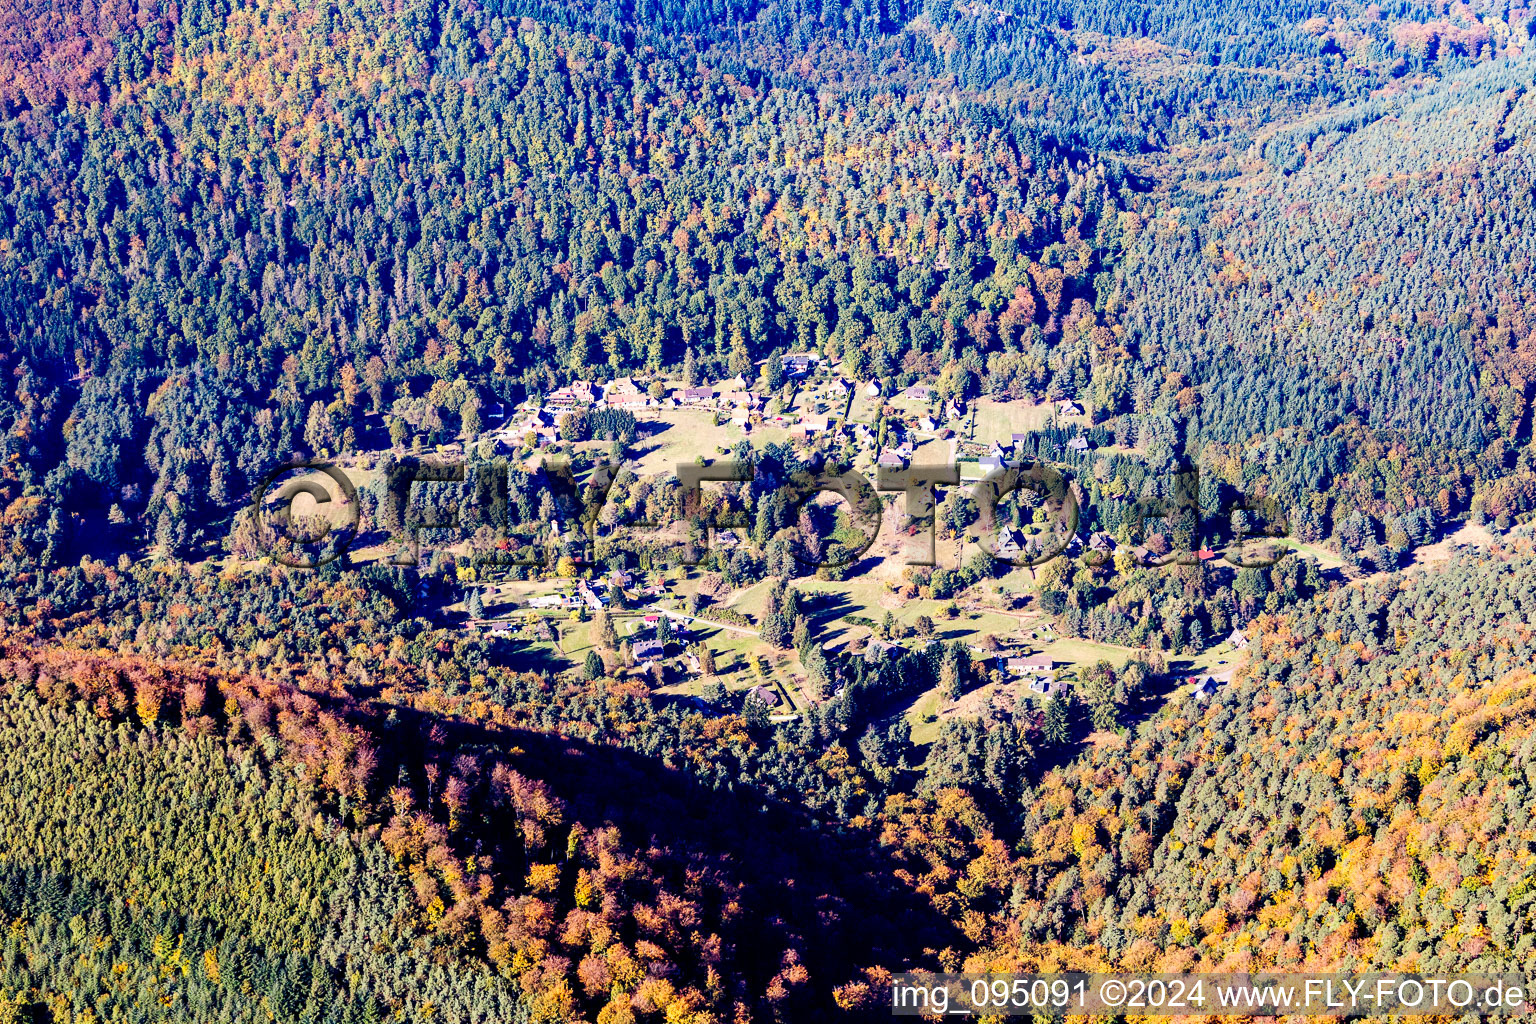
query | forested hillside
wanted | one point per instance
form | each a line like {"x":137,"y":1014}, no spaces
{"x":162,"y":870}
{"x":309,"y":213}
{"x":218,"y":847}
{"x":1354,"y":802}
{"x":1358,"y":803}
{"x":1286,"y":242}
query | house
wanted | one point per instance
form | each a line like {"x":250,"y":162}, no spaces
{"x":624,"y":394}
{"x":507,"y":435}
{"x":890,"y":460}
{"x":990,"y":463}
{"x":810,"y":425}
{"x":1102,"y":541}
{"x":919,"y":393}
{"x":1078,"y":444}
{"x":536,"y":421}
{"x":879,"y":650}
{"x":549,"y":601}
{"x":561,"y":398}
{"x":619,"y":578}
{"x":628,"y":400}
{"x":1010,"y":544}
{"x":1205,"y":689}
{"x":1142,"y":555}
{"x":735,"y":399}
{"x":798,"y":364}
{"x":1046,"y":685}
{"x":498,"y":413}
{"x":647,"y":651}
{"x":1237,"y":640}
{"x":927,"y":424}
{"x":692,"y":661}
{"x":872,"y":389}
{"x":997,"y":450}
{"x":838,"y":387}
{"x":591,"y":597}
{"x":768,"y":696}
{"x":954,"y":410}
{"x":694,"y":396}
{"x":1034,"y":665}
{"x":573,"y":396}
{"x":727,"y":539}
{"x":1067,"y":407}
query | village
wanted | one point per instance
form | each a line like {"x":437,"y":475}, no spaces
{"x":677,"y":630}
{"x":821,"y":406}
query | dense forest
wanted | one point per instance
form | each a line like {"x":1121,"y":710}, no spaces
{"x":1382,"y":736}
{"x":1288,"y":243}
{"x":312,"y":215}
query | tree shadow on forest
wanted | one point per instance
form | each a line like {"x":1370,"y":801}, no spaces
{"x":801,"y":881}
{"x":1156,"y":692}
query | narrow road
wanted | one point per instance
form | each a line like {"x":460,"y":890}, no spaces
{"x":710,"y":622}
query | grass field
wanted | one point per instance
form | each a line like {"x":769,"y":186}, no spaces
{"x":997,"y":421}
{"x":864,"y":407}
{"x":748,"y":600}
{"x":923,"y":717}
{"x":683,"y":435}
{"x":1325,"y":558}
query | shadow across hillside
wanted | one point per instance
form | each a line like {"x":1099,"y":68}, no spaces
{"x":798,"y":882}
{"x":824,"y":607}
